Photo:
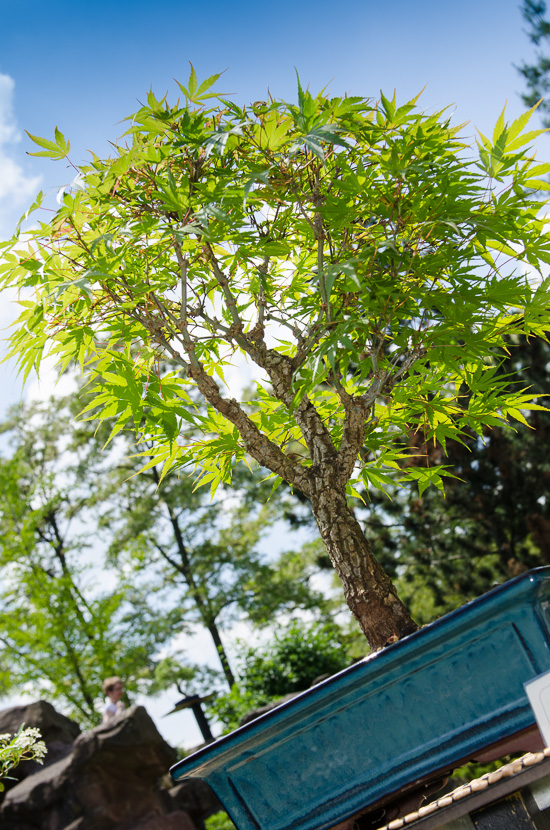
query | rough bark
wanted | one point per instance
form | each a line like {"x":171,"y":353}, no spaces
{"x":369,"y":591}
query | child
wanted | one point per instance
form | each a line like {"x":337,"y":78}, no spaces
{"x":113,"y":687}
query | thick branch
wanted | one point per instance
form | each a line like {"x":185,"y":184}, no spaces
{"x":320,"y":237}
{"x":306,"y":343}
{"x":224,"y":285}
{"x":266,"y":452}
{"x":236,"y":331}
{"x":376,"y":388}
{"x":316,"y":435}
{"x":257,"y":333}
{"x":386,"y":380}
{"x":280,"y":369}
{"x":353,"y":434}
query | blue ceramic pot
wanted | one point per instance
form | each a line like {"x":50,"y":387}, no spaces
{"x":420,"y":706}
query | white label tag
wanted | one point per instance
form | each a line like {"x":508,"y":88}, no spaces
{"x":538,"y":692}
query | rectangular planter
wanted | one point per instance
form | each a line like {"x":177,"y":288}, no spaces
{"x":420,"y":706}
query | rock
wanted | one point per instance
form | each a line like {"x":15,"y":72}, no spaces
{"x":110,"y":780}
{"x":132,"y":738}
{"x":195,"y":798}
{"x":58,"y":732}
{"x":41,"y":789}
{"x":53,"y":726}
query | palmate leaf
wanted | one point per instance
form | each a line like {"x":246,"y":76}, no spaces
{"x":54,"y":150}
{"x":316,"y":138}
{"x":429,"y":476}
{"x":507,"y":140}
{"x":274,"y":129}
{"x":194,"y":92}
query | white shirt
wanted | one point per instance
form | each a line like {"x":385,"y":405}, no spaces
{"x":111,"y":710}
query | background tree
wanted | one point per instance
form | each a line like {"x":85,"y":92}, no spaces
{"x":493,"y":522}
{"x":163,"y":558}
{"x":537,"y":74}
{"x":296,"y":656}
{"x":62,"y":633}
{"x":354,"y":251}
{"x":173,"y":533}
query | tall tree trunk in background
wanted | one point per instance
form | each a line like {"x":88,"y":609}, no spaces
{"x":198,"y":592}
{"x":200,"y":597}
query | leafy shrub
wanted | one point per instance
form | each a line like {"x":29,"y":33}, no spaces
{"x":219,"y":821}
{"x":296,"y":656}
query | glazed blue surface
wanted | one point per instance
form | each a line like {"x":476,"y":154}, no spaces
{"x":418,"y":706}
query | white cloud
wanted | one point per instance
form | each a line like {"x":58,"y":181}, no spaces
{"x":17,"y":190}
{"x":16,"y":187}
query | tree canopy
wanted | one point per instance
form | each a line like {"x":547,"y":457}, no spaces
{"x":365,"y":257}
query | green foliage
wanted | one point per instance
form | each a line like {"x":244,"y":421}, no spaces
{"x":230,"y":707}
{"x":206,"y":551}
{"x":537,"y":74}
{"x":171,"y":672}
{"x":297,"y":656}
{"x":492,"y":522}
{"x":99,"y":568}
{"x":55,"y":150}
{"x":62,"y":633}
{"x":25,"y":745}
{"x":175,"y":671}
{"x":219,"y":821}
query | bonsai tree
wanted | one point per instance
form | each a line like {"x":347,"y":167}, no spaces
{"x":366,"y":262}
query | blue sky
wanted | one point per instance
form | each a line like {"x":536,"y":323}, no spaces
{"x":84,"y":67}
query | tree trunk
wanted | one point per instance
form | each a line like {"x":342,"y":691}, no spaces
{"x":368,"y":589}
{"x":198,"y":592}
{"x":222,"y":654}
{"x":201,"y":599}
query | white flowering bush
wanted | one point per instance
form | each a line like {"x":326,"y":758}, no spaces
{"x":25,"y":745}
